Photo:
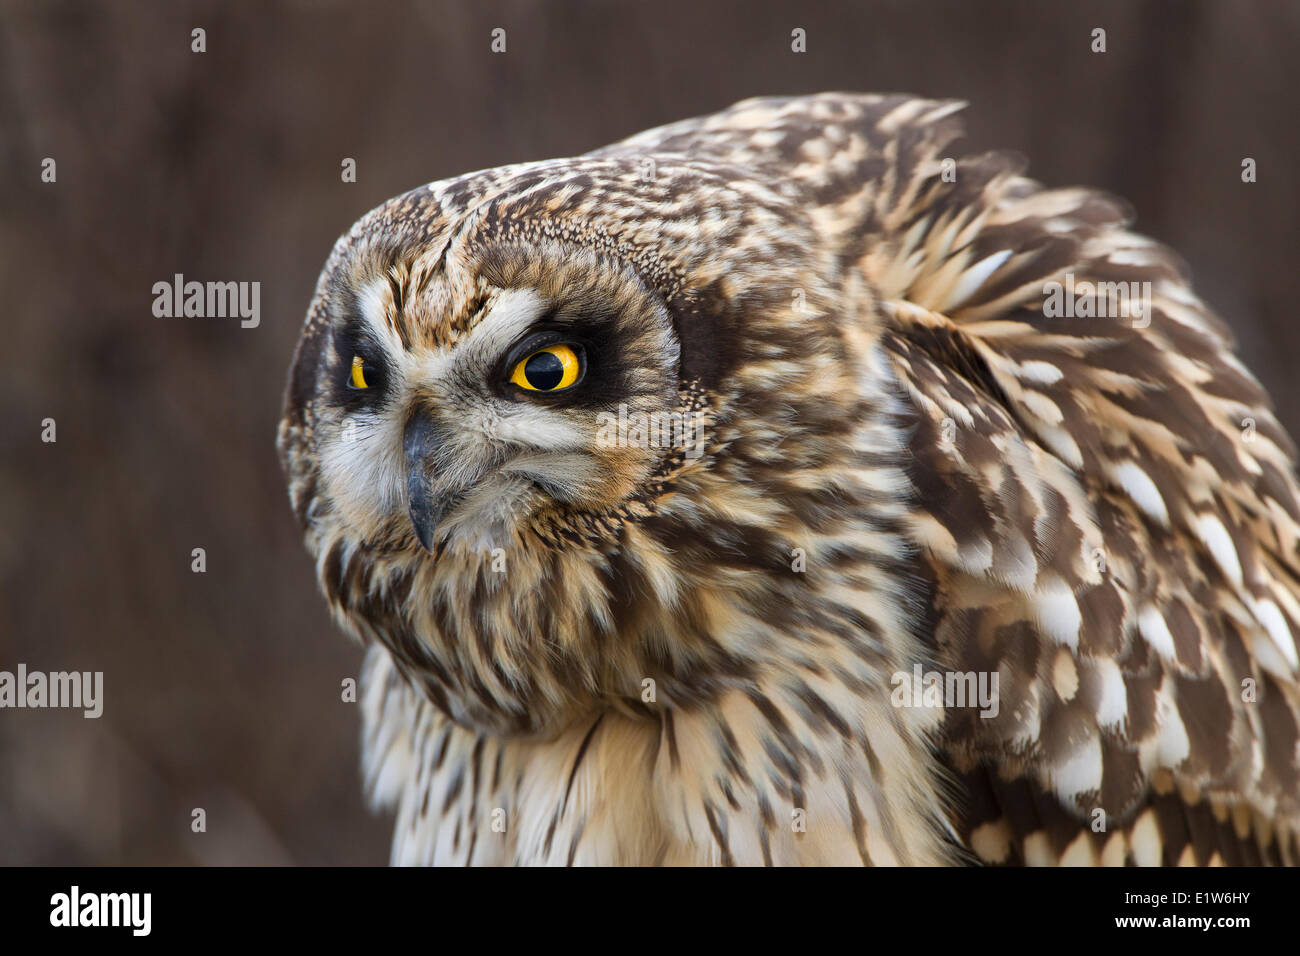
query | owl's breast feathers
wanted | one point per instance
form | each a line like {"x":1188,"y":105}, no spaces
{"x":961,"y":426}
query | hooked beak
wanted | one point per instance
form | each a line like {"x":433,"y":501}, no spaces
{"x":421,"y":440}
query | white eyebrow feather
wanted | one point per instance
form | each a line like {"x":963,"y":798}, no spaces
{"x":509,"y":317}
{"x":373,"y":298}
{"x":511,"y":314}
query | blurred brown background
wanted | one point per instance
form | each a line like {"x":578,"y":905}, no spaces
{"x":222,"y":690}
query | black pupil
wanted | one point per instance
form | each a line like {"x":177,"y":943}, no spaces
{"x":544,"y":370}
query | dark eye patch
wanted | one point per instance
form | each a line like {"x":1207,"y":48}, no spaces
{"x":350,"y":340}
{"x":609,"y":359}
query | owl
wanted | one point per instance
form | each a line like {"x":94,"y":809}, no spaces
{"x":779,"y":487}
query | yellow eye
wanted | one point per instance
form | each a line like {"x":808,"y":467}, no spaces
{"x":358,"y":377}
{"x":550,"y":369}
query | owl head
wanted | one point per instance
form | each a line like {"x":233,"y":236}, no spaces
{"x":536,"y":410}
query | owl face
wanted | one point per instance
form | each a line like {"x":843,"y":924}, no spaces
{"x":460,"y":432}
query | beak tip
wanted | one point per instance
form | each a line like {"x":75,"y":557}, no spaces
{"x":423,"y":537}
{"x":424,"y":522}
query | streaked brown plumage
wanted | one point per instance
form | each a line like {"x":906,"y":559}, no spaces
{"x":638,"y":654}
